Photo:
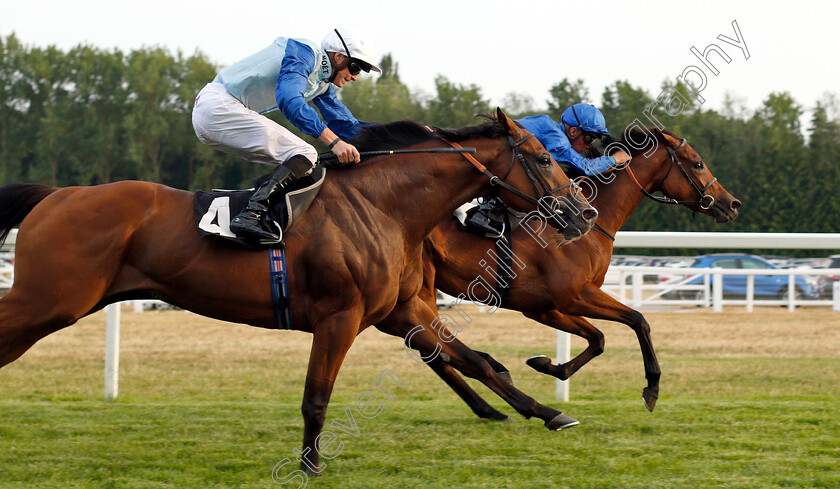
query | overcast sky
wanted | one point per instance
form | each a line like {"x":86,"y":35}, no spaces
{"x":502,"y":46}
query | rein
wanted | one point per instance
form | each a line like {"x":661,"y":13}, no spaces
{"x":533,"y":175}
{"x":598,"y":227}
{"x":704,"y":202}
{"x":332,"y":156}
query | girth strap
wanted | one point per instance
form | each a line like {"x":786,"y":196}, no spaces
{"x":280,"y":288}
{"x":505,"y":264}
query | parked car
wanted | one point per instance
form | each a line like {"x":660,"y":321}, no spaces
{"x":765,"y":286}
{"x":826,"y":282}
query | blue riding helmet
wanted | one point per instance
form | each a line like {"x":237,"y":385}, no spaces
{"x":587,"y":117}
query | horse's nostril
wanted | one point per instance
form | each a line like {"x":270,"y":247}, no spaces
{"x":590,"y":214}
{"x":735,"y":205}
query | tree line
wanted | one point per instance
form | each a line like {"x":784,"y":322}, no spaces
{"x":90,"y":116}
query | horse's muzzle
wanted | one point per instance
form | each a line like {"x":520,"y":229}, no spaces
{"x":723,"y":212}
{"x":573,"y":222}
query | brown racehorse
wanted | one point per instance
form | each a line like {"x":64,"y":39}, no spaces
{"x":354,"y":259}
{"x":560,"y":284}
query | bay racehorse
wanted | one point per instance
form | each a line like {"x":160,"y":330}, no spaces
{"x":354,"y":259}
{"x":559,"y":285}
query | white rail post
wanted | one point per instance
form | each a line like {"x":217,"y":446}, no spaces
{"x":836,"y":289}
{"x":561,"y":387}
{"x":112,"y":351}
{"x":791,"y":292}
{"x":637,"y":290}
{"x":750,"y":292}
{"x":717,"y":292}
{"x":622,"y":286}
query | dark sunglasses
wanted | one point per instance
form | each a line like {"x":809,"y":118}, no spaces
{"x":590,"y":137}
{"x":356,"y":66}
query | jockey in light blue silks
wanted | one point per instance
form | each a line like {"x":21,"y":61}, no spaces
{"x":286,"y":75}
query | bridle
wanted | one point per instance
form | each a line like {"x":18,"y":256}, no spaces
{"x":537,"y":180}
{"x":704,"y":202}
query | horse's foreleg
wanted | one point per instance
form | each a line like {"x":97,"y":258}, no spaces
{"x":575,"y":325}
{"x":331,"y":341}
{"x":596,"y":304}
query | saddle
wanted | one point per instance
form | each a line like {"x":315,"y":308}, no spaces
{"x":214,"y":210}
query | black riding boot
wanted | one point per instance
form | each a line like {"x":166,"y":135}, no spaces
{"x":488,"y":218}
{"x":249,"y":222}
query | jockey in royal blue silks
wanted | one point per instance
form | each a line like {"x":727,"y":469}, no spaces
{"x":580,"y":125}
{"x":286,"y":75}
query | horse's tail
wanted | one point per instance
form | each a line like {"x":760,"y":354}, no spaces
{"x":16,"y":201}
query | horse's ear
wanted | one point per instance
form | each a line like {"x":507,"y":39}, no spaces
{"x":506,"y":122}
{"x":671,"y":140}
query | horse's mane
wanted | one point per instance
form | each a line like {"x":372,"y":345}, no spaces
{"x":404,"y":133}
{"x":491,"y":128}
{"x":631,"y":139}
{"x":394,"y":135}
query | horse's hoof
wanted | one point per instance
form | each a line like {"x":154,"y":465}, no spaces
{"x":540,"y":363}
{"x":505,"y":376}
{"x":649,"y":397}
{"x":561,"y":422}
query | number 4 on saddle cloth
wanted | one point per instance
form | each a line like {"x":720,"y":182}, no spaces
{"x":214,"y":210}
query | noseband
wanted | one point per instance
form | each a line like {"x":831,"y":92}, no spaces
{"x":704,"y":202}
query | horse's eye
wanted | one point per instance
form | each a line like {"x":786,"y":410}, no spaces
{"x":544,"y":159}
{"x":698,"y":165}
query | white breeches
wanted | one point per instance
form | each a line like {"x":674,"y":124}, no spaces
{"x":224,"y":123}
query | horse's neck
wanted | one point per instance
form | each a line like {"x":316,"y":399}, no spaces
{"x":618,"y":199}
{"x":420,"y":191}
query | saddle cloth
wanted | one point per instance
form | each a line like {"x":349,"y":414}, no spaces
{"x":214,"y":210}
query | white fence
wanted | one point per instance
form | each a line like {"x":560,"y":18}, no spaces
{"x":740,"y":241}
{"x":706,"y":287}
{"x":634,"y":292}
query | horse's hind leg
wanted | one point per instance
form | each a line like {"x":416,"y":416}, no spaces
{"x":478,"y":405}
{"x":401,"y":323}
{"x":461,"y":357}
{"x":500,"y":369}
{"x":45,"y":298}
{"x":25,"y":321}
